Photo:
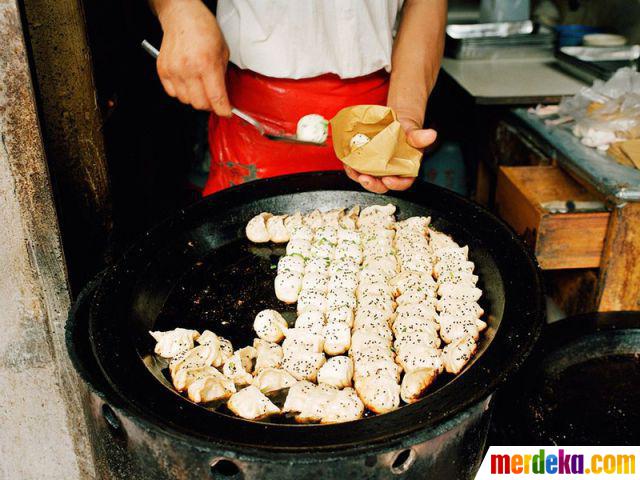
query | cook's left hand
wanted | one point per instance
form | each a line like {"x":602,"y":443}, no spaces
{"x":417,"y":137}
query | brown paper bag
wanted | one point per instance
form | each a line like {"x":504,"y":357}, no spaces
{"x":388,"y":152}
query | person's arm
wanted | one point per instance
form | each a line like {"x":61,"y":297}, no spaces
{"x":415,"y":62}
{"x":193,"y":55}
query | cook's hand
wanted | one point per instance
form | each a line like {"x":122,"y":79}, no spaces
{"x":193,"y":56}
{"x":418,"y":138}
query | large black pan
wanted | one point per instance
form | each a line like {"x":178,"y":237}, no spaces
{"x":198,"y":270}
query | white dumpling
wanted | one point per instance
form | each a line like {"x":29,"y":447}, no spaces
{"x":348,"y":250}
{"x":416,"y":357}
{"x":348,"y":265}
{"x":287,"y":286}
{"x":418,"y":338}
{"x":326,"y":234}
{"x":311,"y":300}
{"x":210,"y":388}
{"x":337,"y":338}
{"x":312,"y":128}
{"x":312,"y":320}
{"x":439,"y":240}
{"x":273,"y":379}
{"x":278,"y":233}
{"x":331,"y":218}
{"x":317,"y":265}
{"x":302,"y":340}
{"x":200,"y":356}
{"x":460,"y":292}
{"x":362,"y":356}
{"x":345,"y":406}
{"x":415,"y":384}
{"x":337,"y":372}
{"x":239,"y":367}
{"x":291,"y":263}
{"x":313,"y":219}
{"x":317,"y":401}
{"x":339,"y":298}
{"x":303,"y":365}
{"x":452,"y":254}
{"x":171,"y":343}
{"x":321,"y":250}
{"x":315,"y":281}
{"x":358,"y":140}
{"x":350,"y":220}
{"x":443,"y":268}
{"x":183,"y":377}
{"x":418,"y":224}
{"x":407,"y":324}
{"x":293,"y":223}
{"x":377,"y":368}
{"x":341,"y":280}
{"x":297,"y":396}
{"x":371,"y":276}
{"x":363,"y":338}
{"x":340,"y":315}
{"x":302,"y":233}
{"x":383,"y":303}
{"x":256,"y":229}
{"x":225,"y":349}
{"x":425,"y":310}
{"x":269,"y":325}
{"x":456,"y":278}
{"x":345,"y":235}
{"x":251,"y":403}
{"x":376,"y":211}
{"x":453,"y":327}
{"x":459,"y":308}
{"x":456,"y":355}
{"x":298,"y":246}
{"x":268,"y":355}
{"x":380,"y":394}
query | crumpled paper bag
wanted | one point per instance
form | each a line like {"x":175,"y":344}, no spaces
{"x":388,"y":152}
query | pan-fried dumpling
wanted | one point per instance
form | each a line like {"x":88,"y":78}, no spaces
{"x":456,"y":355}
{"x":298,"y":246}
{"x":419,"y":338}
{"x":173,"y":342}
{"x":415,"y":384}
{"x":222,"y":345}
{"x":317,"y":265}
{"x":287,"y":286}
{"x":317,"y":400}
{"x":453,"y":327}
{"x":200,"y":356}
{"x":425,"y":310}
{"x":345,"y":406}
{"x":340,"y":315}
{"x":460,"y":292}
{"x":239,"y":367}
{"x":297,"y":396}
{"x":184,"y":377}
{"x":293,"y":223}
{"x":311,"y":320}
{"x":352,"y":237}
{"x":278,"y":233}
{"x":315,"y":281}
{"x":416,"y":357}
{"x":350,"y":220}
{"x":302,"y":340}
{"x":311,"y":300}
{"x":443,"y":268}
{"x":337,"y":338}
{"x":268,"y":355}
{"x":406,"y":324}
{"x":273,"y":379}
{"x":380,"y":393}
{"x":313,"y":219}
{"x":459,"y":308}
{"x":209,"y":388}
{"x":269,"y":325}
{"x":303,"y":365}
{"x":251,"y":403}
{"x":439,"y":240}
{"x":303,"y":233}
{"x":342,"y":297}
{"x":337,"y":372}
{"x":291,"y":263}
{"x":326,"y":234}
{"x":256,"y":229}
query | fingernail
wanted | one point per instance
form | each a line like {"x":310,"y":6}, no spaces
{"x":365,"y":183}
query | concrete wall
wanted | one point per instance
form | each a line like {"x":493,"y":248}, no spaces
{"x":42,"y":425}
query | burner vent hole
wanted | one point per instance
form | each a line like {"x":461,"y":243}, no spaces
{"x":113,"y":422}
{"x":403,"y":461}
{"x":223,"y":468}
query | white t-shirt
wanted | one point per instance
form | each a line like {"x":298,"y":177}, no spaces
{"x":307,"y":38}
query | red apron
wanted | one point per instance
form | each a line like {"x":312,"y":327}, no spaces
{"x":240,"y":154}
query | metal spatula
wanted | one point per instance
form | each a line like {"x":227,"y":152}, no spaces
{"x":279,"y":137}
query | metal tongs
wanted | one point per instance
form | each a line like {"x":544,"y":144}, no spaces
{"x":279,"y":137}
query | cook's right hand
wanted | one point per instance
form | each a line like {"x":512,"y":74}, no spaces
{"x":193,"y":56}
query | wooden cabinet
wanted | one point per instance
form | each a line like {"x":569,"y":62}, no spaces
{"x":527,"y":197}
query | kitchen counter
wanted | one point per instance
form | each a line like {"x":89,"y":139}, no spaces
{"x":511,"y":81}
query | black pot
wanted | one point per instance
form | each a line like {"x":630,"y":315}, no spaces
{"x":197,"y":270}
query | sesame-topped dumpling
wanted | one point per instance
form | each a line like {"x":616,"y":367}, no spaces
{"x":269,"y":325}
{"x":251,"y":403}
{"x":171,"y":343}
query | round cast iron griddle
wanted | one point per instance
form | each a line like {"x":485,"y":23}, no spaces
{"x":580,"y":387}
{"x":197,"y":270}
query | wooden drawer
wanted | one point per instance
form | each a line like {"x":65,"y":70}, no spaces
{"x":560,"y":240}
